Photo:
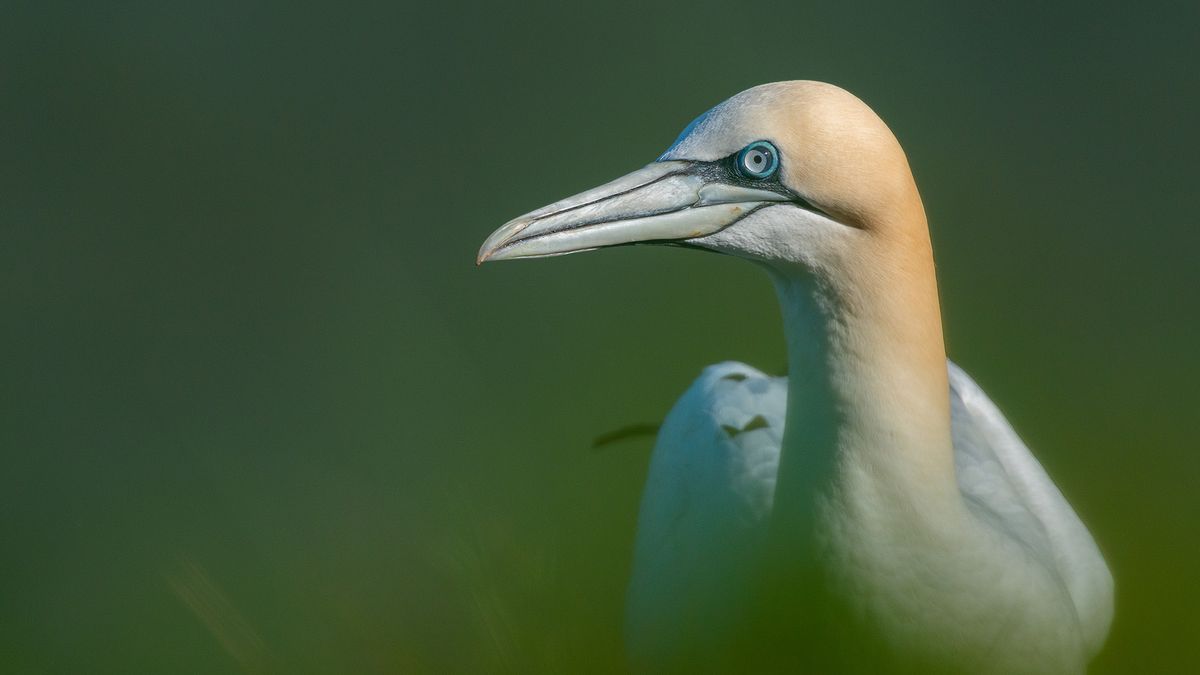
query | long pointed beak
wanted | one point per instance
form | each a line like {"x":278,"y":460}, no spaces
{"x":663,"y":202}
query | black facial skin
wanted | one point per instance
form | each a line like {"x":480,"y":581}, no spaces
{"x":725,"y":170}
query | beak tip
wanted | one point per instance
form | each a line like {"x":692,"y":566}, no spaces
{"x":498,"y":239}
{"x":485,"y":254}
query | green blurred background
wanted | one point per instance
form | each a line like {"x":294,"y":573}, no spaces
{"x":261,"y":413}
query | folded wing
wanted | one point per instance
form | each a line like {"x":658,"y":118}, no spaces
{"x":1003,"y":482}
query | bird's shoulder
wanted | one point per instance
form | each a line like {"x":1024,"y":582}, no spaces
{"x":725,"y":431}
{"x":715,"y":457}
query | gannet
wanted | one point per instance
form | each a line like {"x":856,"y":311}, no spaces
{"x":873,"y":510}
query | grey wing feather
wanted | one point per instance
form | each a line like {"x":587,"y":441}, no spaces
{"x":1003,"y":481}
{"x":708,"y":494}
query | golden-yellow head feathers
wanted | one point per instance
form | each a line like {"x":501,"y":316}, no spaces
{"x":834,"y":150}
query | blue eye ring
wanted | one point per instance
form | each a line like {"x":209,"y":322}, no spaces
{"x":758,"y":160}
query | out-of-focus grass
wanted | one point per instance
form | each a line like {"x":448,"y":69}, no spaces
{"x":213,"y":608}
{"x":524,"y":612}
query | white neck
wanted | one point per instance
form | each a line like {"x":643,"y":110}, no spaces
{"x":868,"y":419}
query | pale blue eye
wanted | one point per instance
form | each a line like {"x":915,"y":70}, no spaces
{"x":758,"y":160}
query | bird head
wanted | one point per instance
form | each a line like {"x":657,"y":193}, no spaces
{"x":788,"y":174}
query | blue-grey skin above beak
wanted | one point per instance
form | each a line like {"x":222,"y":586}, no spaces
{"x":664,"y":202}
